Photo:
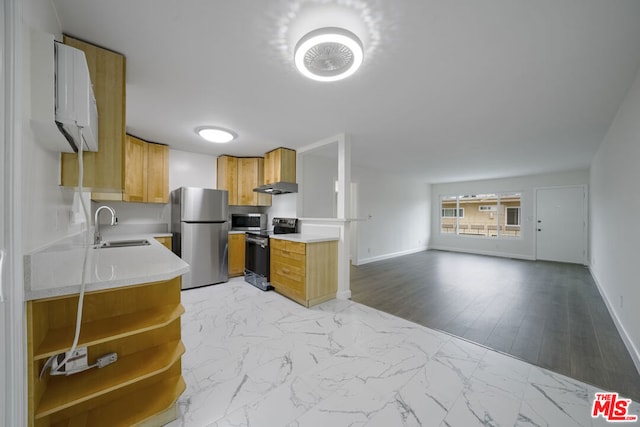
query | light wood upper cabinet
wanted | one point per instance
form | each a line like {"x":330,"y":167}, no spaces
{"x":280,"y":166}
{"x":239,"y":176}
{"x":135,"y":171}
{"x":103,"y":170}
{"x":251,"y":175}
{"x":228,"y":177}
{"x":157,"y":173}
{"x":146,"y":171}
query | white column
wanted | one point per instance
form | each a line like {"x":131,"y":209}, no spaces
{"x":344,"y":202}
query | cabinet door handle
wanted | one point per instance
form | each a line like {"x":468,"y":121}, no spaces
{"x":286,"y":271}
{"x":1,"y":275}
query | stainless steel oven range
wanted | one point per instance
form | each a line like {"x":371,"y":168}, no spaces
{"x":256,"y":270}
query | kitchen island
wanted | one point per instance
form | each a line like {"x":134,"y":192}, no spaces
{"x":304,"y":267}
{"x":131,"y":308}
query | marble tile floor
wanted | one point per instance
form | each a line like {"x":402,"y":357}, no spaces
{"x":258,"y":359}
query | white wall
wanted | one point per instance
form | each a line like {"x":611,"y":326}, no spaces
{"x":516,"y":248}
{"x":320,"y":175}
{"x":185,"y":170}
{"x":614,"y":204}
{"x":282,"y":206}
{"x":395,"y":215}
{"x":45,"y":205}
{"x":192,"y":170}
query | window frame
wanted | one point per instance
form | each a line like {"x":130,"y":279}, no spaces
{"x":501,"y":232}
{"x":519,"y":215}
{"x":460,"y":211}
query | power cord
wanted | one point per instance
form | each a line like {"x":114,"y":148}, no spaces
{"x":56,"y":370}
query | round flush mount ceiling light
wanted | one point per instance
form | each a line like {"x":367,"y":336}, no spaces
{"x":328,"y":54}
{"x":216,"y":134}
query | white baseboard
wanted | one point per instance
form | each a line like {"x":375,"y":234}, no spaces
{"x":391,"y":255}
{"x":633,"y":350}
{"x":343,"y":294}
{"x":481,"y":252}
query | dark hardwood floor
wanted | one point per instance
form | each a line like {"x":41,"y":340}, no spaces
{"x":549,"y":314}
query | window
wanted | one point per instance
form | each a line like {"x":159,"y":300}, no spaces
{"x":487,"y":208}
{"x":513,"y":215}
{"x":487,"y":215}
{"x":451,"y":213}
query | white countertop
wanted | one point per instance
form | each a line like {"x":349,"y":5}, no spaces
{"x":304,"y":237}
{"x":57,"y":270}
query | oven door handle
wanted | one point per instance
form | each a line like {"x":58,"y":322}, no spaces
{"x":260,"y":242}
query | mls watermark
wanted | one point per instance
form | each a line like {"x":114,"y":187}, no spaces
{"x":612,"y":408}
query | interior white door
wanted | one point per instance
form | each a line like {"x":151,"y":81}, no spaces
{"x":561,"y":224}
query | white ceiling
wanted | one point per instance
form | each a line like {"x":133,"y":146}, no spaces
{"x":450,"y":90}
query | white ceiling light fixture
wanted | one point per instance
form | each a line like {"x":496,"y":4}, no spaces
{"x":216,"y":134}
{"x":328,"y":54}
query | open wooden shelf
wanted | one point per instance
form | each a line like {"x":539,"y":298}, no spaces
{"x":59,"y":340}
{"x":141,"y":323}
{"x":63,"y":392}
{"x":134,"y":408}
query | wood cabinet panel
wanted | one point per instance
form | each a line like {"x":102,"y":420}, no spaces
{"x":227,"y":171}
{"x":141,"y":323}
{"x":289,"y":259}
{"x":146,"y":172}
{"x":135,"y":181}
{"x":239,"y":176}
{"x":157,"y":173}
{"x":290,"y":286}
{"x":306,"y":273}
{"x":236,"y":254}
{"x":247,"y":181}
{"x":166,"y":241}
{"x":103,"y":170}
{"x":288,"y":246}
{"x":280,"y":166}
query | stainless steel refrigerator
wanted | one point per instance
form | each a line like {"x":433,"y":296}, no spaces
{"x":200,"y":227}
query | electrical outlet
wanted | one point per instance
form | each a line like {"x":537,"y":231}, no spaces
{"x":77,"y":361}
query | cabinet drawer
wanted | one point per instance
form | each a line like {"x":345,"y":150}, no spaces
{"x":287,"y":269}
{"x":288,"y":258}
{"x":288,"y":246}
{"x":288,"y":284}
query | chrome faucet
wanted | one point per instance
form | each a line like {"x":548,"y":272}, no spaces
{"x":97,"y":238}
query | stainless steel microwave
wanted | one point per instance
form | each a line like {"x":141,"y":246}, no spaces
{"x":248,"y":221}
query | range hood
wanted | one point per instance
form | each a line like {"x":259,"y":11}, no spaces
{"x":277,"y":188}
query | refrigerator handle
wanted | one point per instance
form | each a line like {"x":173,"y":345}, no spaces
{"x":2,"y":275}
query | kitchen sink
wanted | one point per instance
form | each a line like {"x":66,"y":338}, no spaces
{"x":122,"y":244}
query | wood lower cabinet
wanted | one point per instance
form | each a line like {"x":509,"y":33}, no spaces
{"x":140,"y":323}
{"x":166,"y":241}
{"x":236,"y":254}
{"x":305,"y":272}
